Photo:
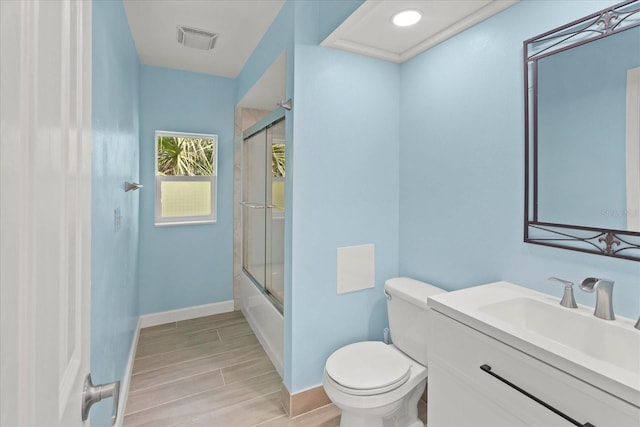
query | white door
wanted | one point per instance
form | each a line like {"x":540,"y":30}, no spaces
{"x":45,"y":195}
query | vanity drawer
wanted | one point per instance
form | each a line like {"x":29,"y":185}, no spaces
{"x":462,"y":351}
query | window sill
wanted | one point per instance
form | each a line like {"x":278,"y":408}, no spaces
{"x":168,"y":224}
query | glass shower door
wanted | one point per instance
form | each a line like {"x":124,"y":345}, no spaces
{"x":254,"y":207}
{"x":263,"y":173}
{"x":275,"y":210}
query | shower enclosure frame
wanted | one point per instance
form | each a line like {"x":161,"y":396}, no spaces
{"x":269,"y":121}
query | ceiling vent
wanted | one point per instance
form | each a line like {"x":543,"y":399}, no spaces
{"x":195,"y":38}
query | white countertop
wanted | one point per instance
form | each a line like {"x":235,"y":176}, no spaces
{"x":469,"y":307}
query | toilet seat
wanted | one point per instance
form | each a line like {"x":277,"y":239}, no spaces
{"x":368,"y":368}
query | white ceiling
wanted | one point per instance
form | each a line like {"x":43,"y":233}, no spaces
{"x":369,"y":30}
{"x":241,"y":24}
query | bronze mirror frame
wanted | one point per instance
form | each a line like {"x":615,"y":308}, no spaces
{"x":600,"y":241}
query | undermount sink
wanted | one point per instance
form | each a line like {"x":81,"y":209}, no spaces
{"x":600,"y":339}
{"x":604,"y":353}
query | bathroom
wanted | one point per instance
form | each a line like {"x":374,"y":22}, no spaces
{"x":423,"y":159}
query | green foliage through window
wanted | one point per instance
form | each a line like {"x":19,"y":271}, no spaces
{"x":186,"y":181}
{"x":185,"y":156}
{"x":278,"y":160}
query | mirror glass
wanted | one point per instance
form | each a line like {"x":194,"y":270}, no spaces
{"x":583,"y":134}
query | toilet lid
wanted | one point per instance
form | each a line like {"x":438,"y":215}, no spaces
{"x":368,"y":366}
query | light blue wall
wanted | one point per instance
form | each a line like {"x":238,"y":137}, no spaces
{"x":114,"y":254}
{"x":329,"y":107}
{"x":333,"y":13}
{"x":345,"y":181}
{"x":278,"y":38}
{"x":425,"y":162}
{"x":183,"y":266}
{"x":310,"y":20}
{"x":581,"y":132}
{"x":345,"y":193}
{"x":461,"y":164}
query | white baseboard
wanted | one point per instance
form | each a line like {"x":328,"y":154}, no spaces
{"x":186,"y":313}
{"x":126,"y":380}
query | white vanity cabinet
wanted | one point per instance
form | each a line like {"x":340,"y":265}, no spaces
{"x":462,"y":393}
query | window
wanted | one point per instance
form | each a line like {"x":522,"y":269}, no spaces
{"x":277,"y":174}
{"x":186,"y":169}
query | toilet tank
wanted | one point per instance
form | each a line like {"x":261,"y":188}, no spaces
{"x":407,"y":308}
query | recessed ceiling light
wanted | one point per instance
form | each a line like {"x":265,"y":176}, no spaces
{"x":196,"y":38}
{"x":407,"y":18}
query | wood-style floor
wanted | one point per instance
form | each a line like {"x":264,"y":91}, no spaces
{"x":211,"y":371}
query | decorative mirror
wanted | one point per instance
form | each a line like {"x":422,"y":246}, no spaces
{"x":582,"y":134}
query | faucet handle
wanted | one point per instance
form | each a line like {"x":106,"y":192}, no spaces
{"x":565,"y":282}
{"x":567,"y":298}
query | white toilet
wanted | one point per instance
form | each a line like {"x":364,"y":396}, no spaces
{"x":379,"y":385}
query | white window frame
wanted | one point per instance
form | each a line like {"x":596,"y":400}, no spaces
{"x":193,"y":219}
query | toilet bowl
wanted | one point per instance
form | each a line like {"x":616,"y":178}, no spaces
{"x":377,"y":384}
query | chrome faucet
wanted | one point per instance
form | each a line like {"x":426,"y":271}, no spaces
{"x":604,"y":296}
{"x":637,"y":325}
{"x":567,"y":299}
